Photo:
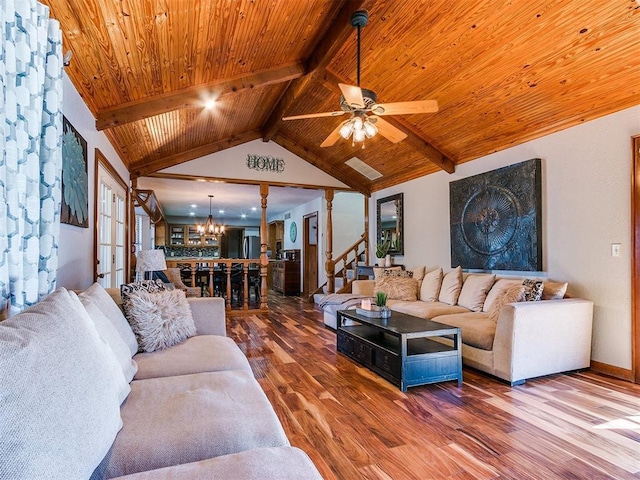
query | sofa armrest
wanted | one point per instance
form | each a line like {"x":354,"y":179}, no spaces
{"x":541,"y":338}
{"x":209,"y":315}
{"x":363,"y":287}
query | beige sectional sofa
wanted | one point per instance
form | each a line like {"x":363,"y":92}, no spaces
{"x":80,"y":402}
{"x":516,"y":341}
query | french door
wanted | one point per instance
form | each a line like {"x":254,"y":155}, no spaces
{"x":111,"y":225}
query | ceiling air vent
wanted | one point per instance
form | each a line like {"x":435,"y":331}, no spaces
{"x":363,"y":169}
{"x":287,"y":216}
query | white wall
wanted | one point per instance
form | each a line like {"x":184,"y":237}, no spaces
{"x":231,"y":163}
{"x":347,"y":215}
{"x":75,"y":261}
{"x":347,"y":219}
{"x":586,"y":177}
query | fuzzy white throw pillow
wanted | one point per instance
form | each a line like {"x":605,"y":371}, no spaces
{"x":161,"y":319}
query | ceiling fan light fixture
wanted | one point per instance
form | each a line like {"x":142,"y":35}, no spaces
{"x":346,"y":130}
{"x":358,"y":136}
{"x":370,"y":129}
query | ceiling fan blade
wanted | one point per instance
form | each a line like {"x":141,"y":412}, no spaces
{"x":315,"y":115}
{"x":333,"y":136}
{"x":405,"y":108}
{"x":390,"y":132}
{"x":352,"y":94}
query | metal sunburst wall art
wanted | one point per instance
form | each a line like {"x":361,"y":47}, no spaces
{"x":496,"y":219}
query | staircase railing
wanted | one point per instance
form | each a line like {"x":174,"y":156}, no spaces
{"x":347,"y":259}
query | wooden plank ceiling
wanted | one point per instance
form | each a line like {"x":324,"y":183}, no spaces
{"x":502,"y":72}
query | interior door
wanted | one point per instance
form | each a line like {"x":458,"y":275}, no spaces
{"x":310,"y":247}
{"x":111,"y":225}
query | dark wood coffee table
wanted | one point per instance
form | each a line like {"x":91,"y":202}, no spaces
{"x":400,"y":348}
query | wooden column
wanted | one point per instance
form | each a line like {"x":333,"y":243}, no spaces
{"x":329,"y":265}
{"x":366,"y":229}
{"x":130,"y":236}
{"x":264,"y":261}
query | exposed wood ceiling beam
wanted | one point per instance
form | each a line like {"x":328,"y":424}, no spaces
{"x":435,"y":156}
{"x":331,"y":42}
{"x":193,"y":96}
{"x":326,"y":166}
{"x":145,"y":167}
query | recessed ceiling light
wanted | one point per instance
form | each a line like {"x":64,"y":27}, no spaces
{"x":191,"y":213}
{"x":253,"y":208}
{"x":194,"y":206}
{"x":220,"y":211}
{"x":243,"y":216}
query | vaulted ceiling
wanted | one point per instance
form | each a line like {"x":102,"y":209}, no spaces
{"x":503,"y":72}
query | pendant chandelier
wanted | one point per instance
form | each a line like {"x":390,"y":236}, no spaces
{"x":211,"y":227}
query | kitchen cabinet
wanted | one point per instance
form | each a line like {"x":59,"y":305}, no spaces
{"x":275,"y":238}
{"x":189,"y":236}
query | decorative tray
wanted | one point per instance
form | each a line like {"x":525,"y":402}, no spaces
{"x":386,"y":313}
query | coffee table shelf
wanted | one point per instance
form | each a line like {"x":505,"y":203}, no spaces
{"x":400,"y":349}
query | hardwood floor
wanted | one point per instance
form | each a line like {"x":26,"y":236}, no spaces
{"x":353,"y":424}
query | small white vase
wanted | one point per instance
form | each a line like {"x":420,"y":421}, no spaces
{"x":387,"y":261}
{"x":382,"y":262}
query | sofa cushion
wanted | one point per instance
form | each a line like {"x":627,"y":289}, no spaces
{"x":110,"y":335}
{"x":532,"y":290}
{"x":554,"y":290}
{"x":478,"y":330}
{"x":60,"y":410}
{"x":425,"y":309}
{"x":500,"y":285}
{"x":202,"y":353}
{"x":174,"y":420}
{"x":159,"y":319}
{"x":474,"y":291}
{"x":430,"y":287}
{"x":418,"y":274}
{"x":112,"y":311}
{"x":511,"y":294}
{"x":451,"y":286}
{"x":275,"y":463}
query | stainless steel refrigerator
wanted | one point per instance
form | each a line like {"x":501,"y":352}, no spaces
{"x":251,"y":247}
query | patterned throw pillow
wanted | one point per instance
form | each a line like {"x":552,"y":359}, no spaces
{"x":128,"y":289}
{"x":160,"y":319}
{"x":532,"y":290}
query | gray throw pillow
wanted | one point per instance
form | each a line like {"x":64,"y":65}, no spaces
{"x":110,"y":335}
{"x":59,"y":391}
{"x":101,"y":298}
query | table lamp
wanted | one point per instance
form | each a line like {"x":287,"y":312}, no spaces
{"x":150,"y":261}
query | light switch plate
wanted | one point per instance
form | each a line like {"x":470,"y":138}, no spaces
{"x":615,"y":249}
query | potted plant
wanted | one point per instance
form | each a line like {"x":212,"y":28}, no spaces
{"x":381,"y":304}
{"x":381,"y":250}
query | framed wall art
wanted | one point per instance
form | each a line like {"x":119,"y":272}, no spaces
{"x":495,"y":219}
{"x":75,"y":181}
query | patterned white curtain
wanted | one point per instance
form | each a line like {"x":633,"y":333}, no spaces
{"x":30,"y":166}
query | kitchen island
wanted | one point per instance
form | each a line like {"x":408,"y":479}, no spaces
{"x":238,"y":280}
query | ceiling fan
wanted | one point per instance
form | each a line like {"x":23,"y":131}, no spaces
{"x":364,"y":113}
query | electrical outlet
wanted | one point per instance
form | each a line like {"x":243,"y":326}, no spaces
{"x":615,"y":249}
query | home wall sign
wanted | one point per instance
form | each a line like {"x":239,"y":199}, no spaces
{"x":265,"y":163}
{"x":495,"y":219}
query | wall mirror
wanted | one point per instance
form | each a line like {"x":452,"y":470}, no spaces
{"x":390,"y":223}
